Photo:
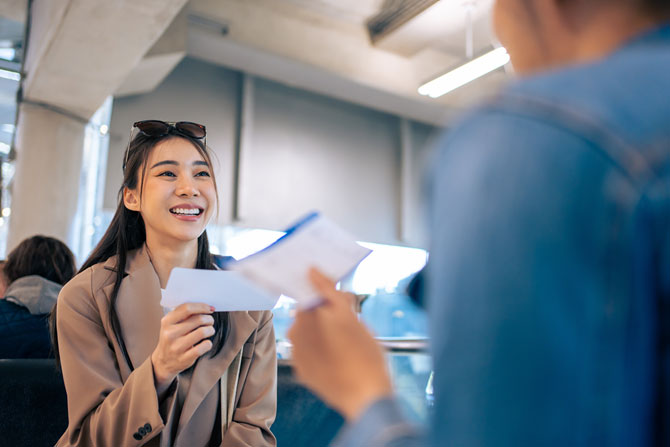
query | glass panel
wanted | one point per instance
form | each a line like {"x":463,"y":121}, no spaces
{"x":11,"y":54}
{"x":410,"y":374}
{"x":89,"y":215}
{"x":384,"y":276}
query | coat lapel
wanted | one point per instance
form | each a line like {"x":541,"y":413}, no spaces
{"x":138,"y":307}
{"x":208,"y":370}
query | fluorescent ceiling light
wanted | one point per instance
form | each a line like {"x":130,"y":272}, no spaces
{"x":11,"y":75}
{"x":460,"y":76}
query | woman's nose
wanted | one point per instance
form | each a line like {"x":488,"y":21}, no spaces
{"x":186,"y":187}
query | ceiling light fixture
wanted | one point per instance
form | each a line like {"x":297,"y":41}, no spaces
{"x":465,"y":73}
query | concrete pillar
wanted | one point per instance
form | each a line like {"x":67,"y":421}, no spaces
{"x":46,"y":180}
{"x":79,"y":53}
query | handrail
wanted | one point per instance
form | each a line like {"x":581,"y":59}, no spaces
{"x":392,"y":345}
{"x":404,"y":345}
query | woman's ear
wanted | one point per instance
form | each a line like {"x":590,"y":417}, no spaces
{"x":131,"y":199}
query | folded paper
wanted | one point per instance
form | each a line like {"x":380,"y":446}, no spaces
{"x":257,"y":281}
{"x":226,"y":291}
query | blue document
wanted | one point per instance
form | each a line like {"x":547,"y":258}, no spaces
{"x":282,"y":268}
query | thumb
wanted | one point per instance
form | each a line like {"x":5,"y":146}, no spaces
{"x":326,"y":288}
{"x":319,"y":280}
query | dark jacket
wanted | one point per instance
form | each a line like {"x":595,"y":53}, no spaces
{"x":24,"y":311}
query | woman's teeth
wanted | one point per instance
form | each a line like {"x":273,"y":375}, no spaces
{"x":186,"y":211}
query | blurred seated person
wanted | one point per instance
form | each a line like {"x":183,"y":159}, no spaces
{"x":34,"y":273}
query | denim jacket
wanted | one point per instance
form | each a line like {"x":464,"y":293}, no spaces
{"x":549,"y":277}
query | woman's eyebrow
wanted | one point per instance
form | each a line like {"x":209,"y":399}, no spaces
{"x":165,"y":162}
{"x":175,"y":163}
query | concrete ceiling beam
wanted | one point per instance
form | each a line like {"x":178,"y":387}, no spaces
{"x":325,"y":54}
{"x":81,"y":51}
{"x":216,"y":49}
{"x":440,"y":26}
{"x":159,"y":61}
{"x":336,"y":47}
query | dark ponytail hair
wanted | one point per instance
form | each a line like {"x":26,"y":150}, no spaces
{"x":126,"y":232}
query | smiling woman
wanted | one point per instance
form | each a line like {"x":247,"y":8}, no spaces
{"x":178,"y":195}
{"x":138,"y":374}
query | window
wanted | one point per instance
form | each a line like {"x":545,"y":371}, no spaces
{"x":11,"y":55}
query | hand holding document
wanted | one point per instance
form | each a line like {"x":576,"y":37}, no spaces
{"x":315,"y":241}
{"x":255,"y":282}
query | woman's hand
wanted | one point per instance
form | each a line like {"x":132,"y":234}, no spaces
{"x":183,"y":338}
{"x":335,"y":355}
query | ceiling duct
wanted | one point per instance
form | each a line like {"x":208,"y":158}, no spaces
{"x":408,"y":27}
{"x":209,"y":24}
{"x":393,"y":15}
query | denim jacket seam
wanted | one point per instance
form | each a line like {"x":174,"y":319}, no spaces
{"x":622,"y":154}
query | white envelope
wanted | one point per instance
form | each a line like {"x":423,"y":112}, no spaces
{"x":224,"y":290}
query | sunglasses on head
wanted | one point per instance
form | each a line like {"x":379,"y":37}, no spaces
{"x":158,"y":128}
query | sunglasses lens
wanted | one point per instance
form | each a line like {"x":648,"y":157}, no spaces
{"x":193,"y":130}
{"x":152,"y":128}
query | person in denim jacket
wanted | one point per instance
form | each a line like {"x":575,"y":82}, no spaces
{"x":549,"y":276}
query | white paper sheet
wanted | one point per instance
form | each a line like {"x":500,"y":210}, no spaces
{"x":225,"y":290}
{"x":282,"y":268}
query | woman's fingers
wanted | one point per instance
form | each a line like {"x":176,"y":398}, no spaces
{"x":187,"y":326}
{"x":182,"y":339}
{"x":185,"y":311}
{"x":187,"y":341}
{"x":187,"y":333}
{"x":202,"y":348}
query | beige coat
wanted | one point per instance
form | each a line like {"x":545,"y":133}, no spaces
{"x":108,"y":405}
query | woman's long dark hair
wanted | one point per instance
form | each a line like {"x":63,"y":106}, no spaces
{"x":126,"y":232}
